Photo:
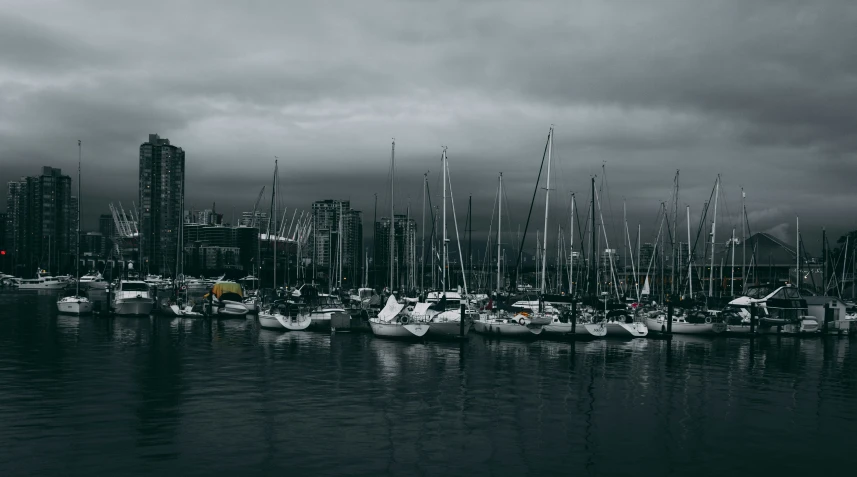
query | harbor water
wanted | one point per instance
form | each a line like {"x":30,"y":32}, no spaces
{"x":86,"y":396}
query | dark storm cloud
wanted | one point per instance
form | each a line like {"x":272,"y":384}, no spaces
{"x":761,"y":92}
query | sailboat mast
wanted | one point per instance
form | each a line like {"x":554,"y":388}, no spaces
{"x":593,"y":264}
{"x":443,"y":219}
{"x":689,"y":257}
{"x":77,"y":241}
{"x":713,"y":230}
{"x":624,"y":250}
{"x":392,"y":212}
{"x":732,"y":279}
{"x":571,"y":249}
{"x":275,"y":228}
{"x":797,"y":252}
{"x":673,"y":262}
{"x":547,"y":205}
{"x":499,"y":228}
{"x":339,"y":250}
{"x":423,"y":249}
{"x":744,"y":242}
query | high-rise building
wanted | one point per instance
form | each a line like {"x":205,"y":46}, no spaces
{"x":13,"y":204}
{"x":41,"y":223}
{"x":106,"y":226}
{"x":647,"y":251}
{"x":326,"y":225}
{"x":404,"y":252}
{"x":261,"y":220}
{"x":162,"y":168}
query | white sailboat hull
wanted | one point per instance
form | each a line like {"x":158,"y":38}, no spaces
{"x":399,"y":330}
{"x":626,"y":330}
{"x":507,"y":329}
{"x":269,"y":321}
{"x":581,"y":329}
{"x":293,"y":323}
{"x":138,"y":306}
{"x":74,"y":306}
{"x":321,"y":318}
{"x":447,"y":329}
{"x":659,"y":325}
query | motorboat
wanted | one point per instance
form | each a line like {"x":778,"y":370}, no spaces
{"x":94,"y":281}
{"x":9,"y":281}
{"x":225,"y":299}
{"x":133,"y":297}
{"x":779,"y":310}
{"x":394,"y":322}
{"x":44,"y":282}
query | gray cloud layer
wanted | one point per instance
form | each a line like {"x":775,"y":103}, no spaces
{"x":761,"y":92}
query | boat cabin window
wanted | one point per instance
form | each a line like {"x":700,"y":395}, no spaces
{"x":792,"y":293}
{"x":135,"y":287}
{"x":757,"y":292}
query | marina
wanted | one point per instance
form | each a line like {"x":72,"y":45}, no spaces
{"x":428,"y":238}
{"x":153,"y":390}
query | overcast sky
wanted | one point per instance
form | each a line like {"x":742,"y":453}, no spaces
{"x":761,"y":92}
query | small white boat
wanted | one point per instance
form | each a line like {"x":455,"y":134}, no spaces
{"x":74,"y":305}
{"x":133,"y":297}
{"x":94,"y":281}
{"x":392,"y":323}
{"x":225,"y":299}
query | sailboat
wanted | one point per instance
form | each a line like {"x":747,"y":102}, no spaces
{"x":273,"y":317}
{"x":515,"y":321}
{"x":77,"y":304}
{"x":445,"y":323}
{"x":391,"y":322}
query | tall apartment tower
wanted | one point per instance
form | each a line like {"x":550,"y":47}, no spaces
{"x":162,"y":168}
{"x":404,"y":252}
{"x":40,"y":228}
{"x":325,"y":235}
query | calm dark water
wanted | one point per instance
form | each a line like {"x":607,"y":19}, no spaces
{"x":129,"y":396}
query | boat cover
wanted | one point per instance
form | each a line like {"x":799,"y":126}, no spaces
{"x":421,"y":308}
{"x":390,"y":310}
{"x":226,"y":291}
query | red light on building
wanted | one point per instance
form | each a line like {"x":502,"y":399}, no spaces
{"x":2,"y":252}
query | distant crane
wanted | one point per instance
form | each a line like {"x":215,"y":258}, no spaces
{"x":254,"y":220}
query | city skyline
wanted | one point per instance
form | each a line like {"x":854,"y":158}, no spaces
{"x":744,"y":94}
